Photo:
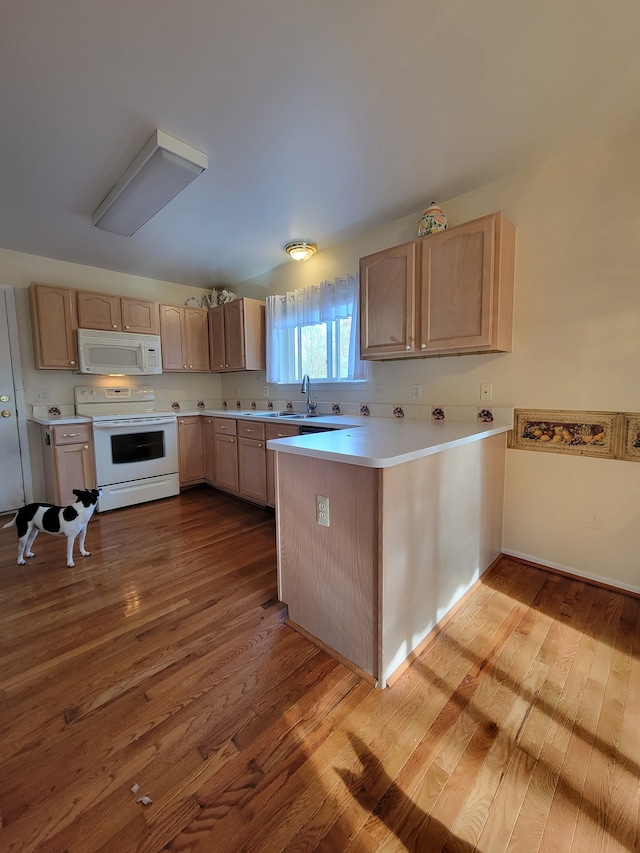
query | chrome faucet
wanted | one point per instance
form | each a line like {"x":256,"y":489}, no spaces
{"x":306,"y":389}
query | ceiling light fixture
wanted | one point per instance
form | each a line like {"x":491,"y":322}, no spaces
{"x":301,"y":250}
{"x":163,"y":168}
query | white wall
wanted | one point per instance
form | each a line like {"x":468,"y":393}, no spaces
{"x":576,"y":346}
{"x":19,"y":270}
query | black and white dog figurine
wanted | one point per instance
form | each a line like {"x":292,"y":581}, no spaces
{"x":70,"y":521}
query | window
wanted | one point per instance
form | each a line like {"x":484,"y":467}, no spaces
{"x":315,"y":330}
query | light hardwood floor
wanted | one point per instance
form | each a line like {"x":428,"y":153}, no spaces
{"x":163,"y":660}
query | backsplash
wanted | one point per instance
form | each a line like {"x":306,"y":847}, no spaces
{"x":424,"y":411}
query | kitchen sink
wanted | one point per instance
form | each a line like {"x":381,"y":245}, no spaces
{"x":291,"y":415}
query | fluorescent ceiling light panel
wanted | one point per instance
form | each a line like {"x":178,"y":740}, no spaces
{"x":161,"y":170}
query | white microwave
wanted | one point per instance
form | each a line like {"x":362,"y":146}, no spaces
{"x":118,"y":353}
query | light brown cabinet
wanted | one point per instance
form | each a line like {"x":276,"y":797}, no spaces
{"x":275,"y":431}
{"x":451,"y":292}
{"x":226,"y":454}
{"x":236,"y":334}
{"x":208,"y":451}
{"x":53,"y":325}
{"x":57,"y":313}
{"x":67,"y":451}
{"x":252,"y":465}
{"x":184,"y":334}
{"x":190,"y":450}
{"x":107,"y":312}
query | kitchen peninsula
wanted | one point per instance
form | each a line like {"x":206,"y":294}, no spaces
{"x":381,"y":530}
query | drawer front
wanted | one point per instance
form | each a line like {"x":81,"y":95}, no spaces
{"x":281,"y":431}
{"x":225,"y":426}
{"x":251,"y":429}
{"x":70,"y":434}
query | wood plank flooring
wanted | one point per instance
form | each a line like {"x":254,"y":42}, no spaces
{"x":163,"y":661}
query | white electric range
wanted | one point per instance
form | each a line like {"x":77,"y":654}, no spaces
{"x":135,"y":446}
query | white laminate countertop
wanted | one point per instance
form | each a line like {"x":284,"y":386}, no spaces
{"x":60,"y":419}
{"x":384,"y":442}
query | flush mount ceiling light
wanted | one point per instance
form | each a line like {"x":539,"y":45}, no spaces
{"x":300,"y":250}
{"x":161,"y":170}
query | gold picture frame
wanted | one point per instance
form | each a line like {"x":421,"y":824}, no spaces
{"x":577,"y":433}
{"x":630,"y":449}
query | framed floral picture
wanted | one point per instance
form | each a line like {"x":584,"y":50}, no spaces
{"x":573,"y":432}
{"x":631,"y":437}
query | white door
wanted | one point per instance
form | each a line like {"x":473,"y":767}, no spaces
{"x":12,"y":488}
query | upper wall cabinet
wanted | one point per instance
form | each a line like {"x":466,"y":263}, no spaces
{"x":451,"y":292}
{"x":184,"y":334}
{"x":236,"y":334}
{"x":53,"y":324}
{"x":107,"y":312}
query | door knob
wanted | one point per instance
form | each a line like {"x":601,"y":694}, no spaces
{"x":4,"y":399}
{"x":5,"y":413}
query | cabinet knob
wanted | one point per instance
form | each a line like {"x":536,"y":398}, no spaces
{"x":232,"y":440}
{"x":185,"y":366}
{"x":226,"y":365}
{"x":114,"y":326}
{"x":72,"y":362}
{"x":86,"y":447}
{"x":190,"y":367}
{"x":423,"y":346}
{"x":407,"y":347}
{"x":127,"y":327}
{"x":5,"y":413}
{"x":259,"y":444}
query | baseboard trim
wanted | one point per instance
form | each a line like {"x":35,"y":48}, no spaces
{"x":570,"y":572}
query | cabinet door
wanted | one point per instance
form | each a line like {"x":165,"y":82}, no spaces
{"x":74,"y":470}
{"x":216,"y":338}
{"x":99,"y":311}
{"x":275,"y":431}
{"x":226,"y":462}
{"x":208,"y":442}
{"x":197,"y":326}
{"x":191,"y":452}
{"x":234,"y":342}
{"x":139,"y":315}
{"x":457,"y":288}
{"x":252,"y":470}
{"x":54,"y":324}
{"x":388,"y":302}
{"x":173,"y":337}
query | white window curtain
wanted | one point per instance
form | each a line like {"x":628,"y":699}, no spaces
{"x":321,"y":303}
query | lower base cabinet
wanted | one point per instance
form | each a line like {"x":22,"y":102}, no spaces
{"x":231,"y":455}
{"x":225,"y":454}
{"x":67,"y":452}
{"x":190,"y":450}
{"x":252,"y":465}
{"x":275,"y":431}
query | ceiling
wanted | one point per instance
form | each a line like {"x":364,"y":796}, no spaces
{"x":320,"y":120}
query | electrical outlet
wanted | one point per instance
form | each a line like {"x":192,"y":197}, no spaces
{"x":379,"y":392}
{"x":416,"y":392}
{"x":265,"y":391}
{"x":322,"y":510}
{"x":41,"y":396}
{"x":594,"y":519}
{"x":486,"y":392}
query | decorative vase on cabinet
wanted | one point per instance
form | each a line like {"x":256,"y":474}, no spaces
{"x":433,"y":220}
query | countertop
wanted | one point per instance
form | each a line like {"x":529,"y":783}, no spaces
{"x":384,"y":442}
{"x":60,"y":419}
{"x":354,"y":439}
